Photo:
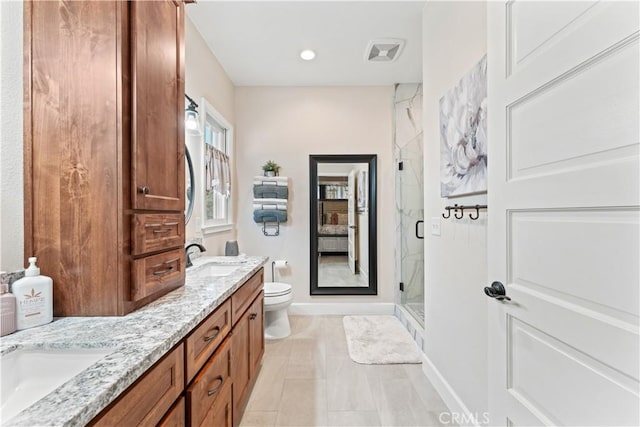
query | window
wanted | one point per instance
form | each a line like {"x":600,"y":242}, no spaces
{"x":216,"y":171}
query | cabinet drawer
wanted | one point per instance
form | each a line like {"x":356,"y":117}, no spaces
{"x":157,"y":273}
{"x":205,"y":338}
{"x":176,"y":415}
{"x":210,"y":385}
{"x":156,"y":232}
{"x":243,"y":297}
{"x":147,"y":401}
{"x":220,"y":413}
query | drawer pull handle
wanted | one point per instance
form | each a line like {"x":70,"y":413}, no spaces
{"x":169,"y":224}
{"x":217,"y":388}
{"x":253,"y":316}
{"x":165,"y":231}
{"x":212,"y":336}
{"x":162,"y":272}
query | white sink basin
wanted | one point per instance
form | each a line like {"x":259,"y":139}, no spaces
{"x":216,"y":270}
{"x":29,"y":375}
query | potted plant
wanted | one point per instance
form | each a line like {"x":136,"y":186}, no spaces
{"x":271,"y":168}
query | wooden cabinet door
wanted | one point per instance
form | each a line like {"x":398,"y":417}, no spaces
{"x":240,"y":363}
{"x":157,"y":105}
{"x":176,"y":415}
{"x":147,"y":401}
{"x":256,"y":333}
{"x":209,"y":395}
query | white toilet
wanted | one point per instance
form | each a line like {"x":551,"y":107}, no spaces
{"x":277,"y":297}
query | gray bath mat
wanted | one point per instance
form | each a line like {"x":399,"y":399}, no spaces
{"x":379,"y":340}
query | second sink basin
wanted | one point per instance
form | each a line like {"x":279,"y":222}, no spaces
{"x":216,"y":270}
{"x":29,"y":375}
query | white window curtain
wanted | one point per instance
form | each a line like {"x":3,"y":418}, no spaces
{"x":217,"y":176}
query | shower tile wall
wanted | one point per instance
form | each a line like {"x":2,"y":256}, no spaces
{"x":408,"y":148}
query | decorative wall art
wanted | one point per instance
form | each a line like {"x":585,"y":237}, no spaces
{"x":463,"y":135}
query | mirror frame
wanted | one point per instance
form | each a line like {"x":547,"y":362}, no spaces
{"x":314,"y":160}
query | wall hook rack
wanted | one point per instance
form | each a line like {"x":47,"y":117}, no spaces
{"x":275,"y":226}
{"x":459,"y":211}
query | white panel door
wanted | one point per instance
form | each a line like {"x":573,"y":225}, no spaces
{"x":352,"y":224}
{"x":564,"y":229}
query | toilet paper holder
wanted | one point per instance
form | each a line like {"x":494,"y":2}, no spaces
{"x":282,"y":263}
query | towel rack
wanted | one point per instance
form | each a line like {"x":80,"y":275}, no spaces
{"x":266,"y":225}
{"x":460,"y":209}
{"x":267,"y":188}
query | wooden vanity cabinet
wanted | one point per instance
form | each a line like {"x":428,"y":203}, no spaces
{"x":104,"y":151}
{"x":176,"y":415}
{"x":148,"y":400}
{"x":210,"y":389}
{"x":256,"y":333}
{"x":244,"y":347}
{"x":247,"y":350}
{"x":206,"y":379}
{"x":203,"y":341}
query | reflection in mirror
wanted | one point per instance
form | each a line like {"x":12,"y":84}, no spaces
{"x":343,"y":240}
{"x":190,"y":182}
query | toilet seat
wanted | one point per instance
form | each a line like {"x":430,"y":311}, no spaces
{"x":276,"y":289}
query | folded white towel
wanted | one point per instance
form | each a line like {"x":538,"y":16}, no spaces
{"x":270,"y":201}
{"x":269,"y":206}
{"x":281,"y":181}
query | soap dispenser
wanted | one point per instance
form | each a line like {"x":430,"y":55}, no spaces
{"x":34,"y":297}
{"x":7,"y":310}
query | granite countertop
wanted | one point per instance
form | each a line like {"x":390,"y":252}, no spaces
{"x":138,"y":339}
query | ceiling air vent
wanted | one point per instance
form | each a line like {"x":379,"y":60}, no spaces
{"x":386,"y":50}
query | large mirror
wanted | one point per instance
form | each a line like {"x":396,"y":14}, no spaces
{"x":343,"y":244}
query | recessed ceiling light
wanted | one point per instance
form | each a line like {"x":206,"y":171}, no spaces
{"x":307,"y":54}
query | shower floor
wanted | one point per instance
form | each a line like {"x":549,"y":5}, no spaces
{"x":417,"y":311}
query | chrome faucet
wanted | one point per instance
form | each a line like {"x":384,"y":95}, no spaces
{"x":188,"y":255}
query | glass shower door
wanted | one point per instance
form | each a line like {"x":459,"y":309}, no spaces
{"x":412,"y":235}
{"x":410,"y":197}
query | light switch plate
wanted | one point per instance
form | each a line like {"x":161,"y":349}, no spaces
{"x":435,"y":226}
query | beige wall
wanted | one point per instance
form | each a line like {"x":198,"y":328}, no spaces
{"x":287,"y":124}
{"x":456,"y":261}
{"x":206,"y":78}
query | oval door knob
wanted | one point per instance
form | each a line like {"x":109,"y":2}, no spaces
{"x":497,"y":291}
{"x":144,"y":190}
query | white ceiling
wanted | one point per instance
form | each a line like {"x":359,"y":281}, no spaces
{"x":258,"y":42}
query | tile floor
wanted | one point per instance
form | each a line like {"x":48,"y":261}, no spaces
{"x":308,"y":379}
{"x":333,"y":270}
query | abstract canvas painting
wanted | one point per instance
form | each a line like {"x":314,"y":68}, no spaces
{"x":463,"y":135}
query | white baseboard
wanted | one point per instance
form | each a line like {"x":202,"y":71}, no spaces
{"x":446,"y":392}
{"x":340,"y":308}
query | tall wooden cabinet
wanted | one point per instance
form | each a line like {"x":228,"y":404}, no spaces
{"x":104,"y":151}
